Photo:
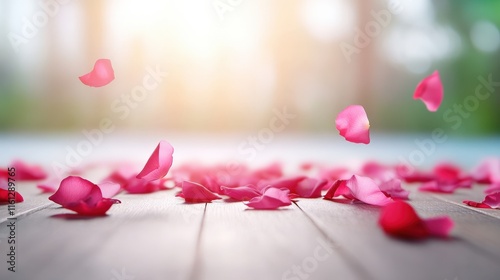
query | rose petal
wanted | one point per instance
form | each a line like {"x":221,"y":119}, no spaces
{"x":272,"y":198}
{"x":4,"y":196}
{"x":159,"y":162}
{"x":243,"y":193}
{"x":141,"y":186}
{"x":399,"y":219}
{"x":412,"y":175}
{"x":195,"y":193}
{"x":359,"y":188}
{"x":101,"y":75}
{"x":430,"y":91}
{"x":393,"y":189}
{"x":109,"y":189}
{"x":490,"y":201}
{"x":353,"y":124}
{"x":493,"y":188}
{"x":435,"y":186}
{"x":488,"y":171}
{"x":309,"y":188}
{"x":28,"y":172}
{"x":378,"y":172}
{"x":98,"y":209}
{"x":73,"y":189}
{"x":82,"y":196}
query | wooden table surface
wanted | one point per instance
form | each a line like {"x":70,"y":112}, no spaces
{"x":157,"y":236}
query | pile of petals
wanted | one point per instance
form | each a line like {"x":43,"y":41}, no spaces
{"x":83,"y":197}
{"x":399,"y":219}
{"x":491,"y":201}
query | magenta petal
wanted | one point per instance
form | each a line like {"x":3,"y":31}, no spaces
{"x":309,"y":188}
{"x":25,"y":171}
{"x":243,"y":193}
{"x":353,"y":124}
{"x":393,"y":189}
{"x":476,"y":204}
{"x":488,"y":171}
{"x":109,"y":189}
{"x":439,"y":226}
{"x":73,"y":189}
{"x":430,"y":91}
{"x":493,"y":188}
{"x":195,"y":193}
{"x":272,"y":198}
{"x":101,"y":75}
{"x":159,"y":162}
{"x":359,"y":188}
{"x":493,"y":200}
{"x":136,"y":186}
{"x":435,"y":186}
{"x":99,"y":209}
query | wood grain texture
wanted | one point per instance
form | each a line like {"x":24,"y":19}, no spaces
{"x":239,"y":243}
{"x":149,"y":237}
{"x":355,"y":226}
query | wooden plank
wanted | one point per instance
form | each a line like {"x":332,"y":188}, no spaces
{"x":239,"y":243}
{"x":355,"y":226}
{"x":149,"y":236}
{"x":34,"y":201}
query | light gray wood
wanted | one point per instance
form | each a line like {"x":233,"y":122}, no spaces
{"x":355,"y":226}
{"x":150,"y":236}
{"x":34,"y":201}
{"x":239,"y":243}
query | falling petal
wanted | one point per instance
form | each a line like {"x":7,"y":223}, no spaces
{"x":430,"y":91}
{"x":353,"y":124}
{"x":159,"y":162}
{"x":101,"y":75}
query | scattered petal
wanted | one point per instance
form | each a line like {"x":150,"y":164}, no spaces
{"x":493,"y":188}
{"x":430,"y":91}
{"x":309,"y":188}
{"x":490,"y":201}
{"x":159,"y":162}
{"x":272,"y":198}
{"x":353,"y":124}
{"x":393,"y":189}
{"x":359,"y":188}
{"x":27,"y":172}
{"x":6,"y":196}
{"x":196,"y":193}
{"x":109,"y":189}
{"x":82,"y":196}
{"x":243,"y":193}
{"x":101,"y":75}
{"x":399,"y":219}
{"x":487,"y":172}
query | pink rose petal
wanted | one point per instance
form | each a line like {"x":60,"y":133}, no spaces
{"x":82,"y":196}
{"x":393,"y":189}
{"x":488,"y":171}
{"x":28,"y":172}
{"x":159,"y":162}
{"x":493,"y":188}
{"x":196,"y":193}
{"x":490,"y":201}
{"x":353,"y":124}
{"x":6,"y":195}
{"x":140,"y":186}
{"x":243,"y":193}
{"x":101,"y":75}
{"x":109,"y":189}
{"x":309,"y":188}
{"x":272,"y":198}
{"x":359,"y":188}
{"x":430,"y":91}
{"x":439,"y":226}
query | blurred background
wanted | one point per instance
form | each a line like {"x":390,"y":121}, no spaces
{"x":232,"y":63}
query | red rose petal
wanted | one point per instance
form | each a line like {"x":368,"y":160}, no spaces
{"x":195,"y":193}
{"x":353,"y":124}
{"x":82,"y":196}
{"x":28,"y":172}
{"x":430,"y":91}
{"x":4,"y":196}
{"x":243,"y":193}
{"x":101,"y":75}
{"x":490,"y":201}
{"x":159,"y":162}
{"x":399,"y":219}
{"x":271,"y":199}
{"x":359,"y":188}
